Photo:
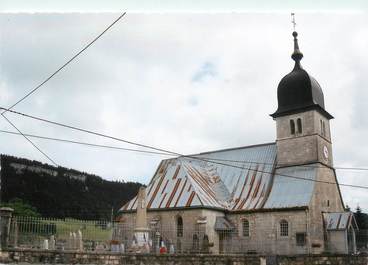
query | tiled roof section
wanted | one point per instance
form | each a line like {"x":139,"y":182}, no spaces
{"x":292,"y":187}
{"x":172,"y":186}
{"x":208,"y":182}
{"x":339,"y":221}
{"x":248,"y":184}
{"x":245,"y":184}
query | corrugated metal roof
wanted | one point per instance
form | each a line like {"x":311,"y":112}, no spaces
{"x":338,"y":221}
{"x":188,"y":182}
{"x":223,"y":224}
{"x":292,"y":192}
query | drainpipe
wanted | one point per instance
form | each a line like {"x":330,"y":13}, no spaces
{"x":308,"y":232}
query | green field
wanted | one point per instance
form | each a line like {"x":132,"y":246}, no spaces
{"x":61,"y":228}
{"x":90,"y":230}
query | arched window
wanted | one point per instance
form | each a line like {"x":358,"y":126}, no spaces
{"x":179,"y":226}
{"x":284,"y":228}
{"x":292,"y":127}
{"x":299,"y":124}
{"x":245,"y":225}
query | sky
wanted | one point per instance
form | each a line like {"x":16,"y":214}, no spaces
{"x":185,"y":82}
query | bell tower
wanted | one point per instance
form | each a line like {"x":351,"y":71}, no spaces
{"x":303,"y":141}
{"x":302,"y":123}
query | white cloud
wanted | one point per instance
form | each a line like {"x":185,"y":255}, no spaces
{"x":136,"y":83}
{"x":207,"y":70}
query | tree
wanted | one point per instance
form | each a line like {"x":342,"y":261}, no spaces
{"x":361,"y":218}
{"x":59,"y":192}
{"x":362,"y":222}
{"x":21,"y":208}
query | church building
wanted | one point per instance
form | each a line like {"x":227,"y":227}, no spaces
{"x":274,"y":198}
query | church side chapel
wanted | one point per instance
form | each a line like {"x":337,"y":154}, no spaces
{"x":273,"y":198}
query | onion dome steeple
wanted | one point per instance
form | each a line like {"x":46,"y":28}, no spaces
{"x":297,"y":54}
{"x":298,"y":91}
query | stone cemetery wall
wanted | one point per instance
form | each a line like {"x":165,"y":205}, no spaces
{"x":108,"y":258}
{"x":322,"y":260}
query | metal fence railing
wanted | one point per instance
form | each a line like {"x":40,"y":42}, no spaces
{"x":82,"y":235}
{"x":35,"y":232}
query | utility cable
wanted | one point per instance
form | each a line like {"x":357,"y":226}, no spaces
{"x":161,"y":151}
{"x":64,"y":65}
{"x":180,"y":155}
{"x":47,"y":79}
{"x":29,"y":140}
{"x":84,"y":143}
{"x":90,"y":132}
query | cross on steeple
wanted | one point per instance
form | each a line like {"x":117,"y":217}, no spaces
{"x":293,"y":20}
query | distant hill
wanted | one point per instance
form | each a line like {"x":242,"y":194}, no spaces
{"x":61,"y":192}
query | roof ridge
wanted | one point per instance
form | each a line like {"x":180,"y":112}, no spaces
{"x":232,"y":148}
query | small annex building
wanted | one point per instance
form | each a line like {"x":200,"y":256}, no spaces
{"x":274,"y":198}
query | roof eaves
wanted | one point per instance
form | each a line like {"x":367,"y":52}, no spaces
{"x":233,"y":148}
{"x":295,"y":110}
{"x":221,"y":150}
{"x":296,"y":208}
{"x":177,"y":209}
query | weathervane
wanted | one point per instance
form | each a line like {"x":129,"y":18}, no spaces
{"x":293,"y":20}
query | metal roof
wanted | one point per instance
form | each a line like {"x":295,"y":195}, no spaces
{"x":209,"y":182}
{"x":293,"y":191}
{"x":223,"y":224}
{"x":339,"y":221}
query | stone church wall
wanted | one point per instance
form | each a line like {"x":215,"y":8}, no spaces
{"x":326,"y":198}
{"x":337,"y":241}
{"x":307,"y":146}
{"x":166,"y":223}
{"x":264,"y":227}
{"x":265,"y":235}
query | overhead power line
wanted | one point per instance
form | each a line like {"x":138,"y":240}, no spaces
{"x":265,"y":163}
{"x":181,"y":155}
{"x":90,"y":132}
{"x":85,"y":143}
{"x":65,"y":64}
{"x":33,"y":144}
{"x":47,"y":79}
{"x":160,"y":153}
{"x":282,"y":175}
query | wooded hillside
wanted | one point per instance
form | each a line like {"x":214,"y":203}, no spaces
{"x":62,"y":192}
